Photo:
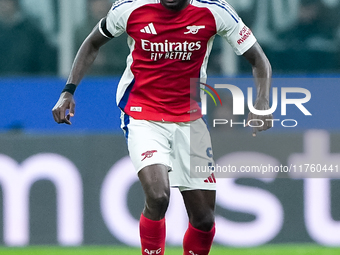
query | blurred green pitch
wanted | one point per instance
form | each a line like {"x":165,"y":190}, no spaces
{"x":217,"y":250}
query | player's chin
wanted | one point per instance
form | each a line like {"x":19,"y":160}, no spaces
{"x":172,"y":4}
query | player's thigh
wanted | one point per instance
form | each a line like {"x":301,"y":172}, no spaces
{"x":200,"y":206}
{"x":199,"y":202}
{"x":155,"y":181}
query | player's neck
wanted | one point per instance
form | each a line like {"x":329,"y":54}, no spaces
{"x":175,"y":5}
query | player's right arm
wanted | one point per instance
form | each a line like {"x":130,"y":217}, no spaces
{"x":87,"y":53}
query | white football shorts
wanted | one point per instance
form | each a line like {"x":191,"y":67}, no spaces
{"x":181,"y":146}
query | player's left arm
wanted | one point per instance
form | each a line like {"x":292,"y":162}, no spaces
{"x":262,"y":73}
{"x":231,"y":27}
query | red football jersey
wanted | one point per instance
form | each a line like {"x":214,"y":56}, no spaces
{"x":168,"y":49}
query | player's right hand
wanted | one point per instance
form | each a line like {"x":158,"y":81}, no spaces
{"x":65,"y":102}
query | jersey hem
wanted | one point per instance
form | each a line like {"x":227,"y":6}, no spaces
{"x":173,"y":119}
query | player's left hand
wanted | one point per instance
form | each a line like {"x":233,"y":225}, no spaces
{"x":262,"y":122}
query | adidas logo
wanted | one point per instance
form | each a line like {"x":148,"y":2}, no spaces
{"x":135,"y":109}
{"x":210,"y":179}
{"x":149,"y":29}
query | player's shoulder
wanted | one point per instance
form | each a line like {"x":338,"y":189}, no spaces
{"x":208,"y":3}
{"x":217,"y":7}
{"x":121,"y":5}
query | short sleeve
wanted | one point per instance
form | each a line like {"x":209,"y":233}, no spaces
{"x":231,"y":27}
{"x":114,"y":24}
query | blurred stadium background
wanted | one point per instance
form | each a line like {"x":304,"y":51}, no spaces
{"x":74,"y":185}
